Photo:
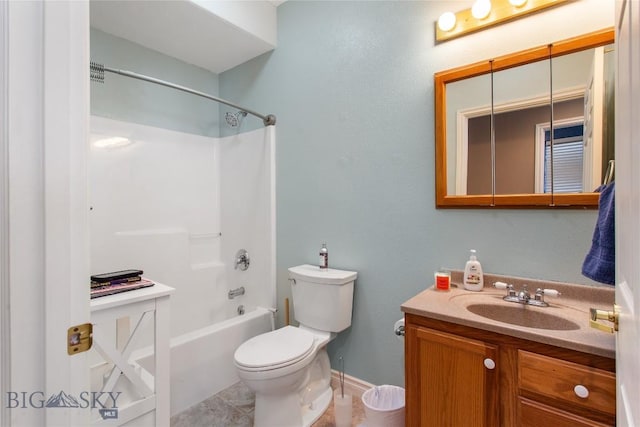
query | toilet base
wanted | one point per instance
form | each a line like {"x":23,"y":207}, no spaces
{"x":320,"y":405}
{"x":265,"y":416}
{"x":274,"y":410}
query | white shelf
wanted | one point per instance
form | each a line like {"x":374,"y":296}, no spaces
{"x":124,"y":298}
{"x":154,"y":391}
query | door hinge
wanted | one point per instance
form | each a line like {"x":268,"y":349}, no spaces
{"x":79,"y":338}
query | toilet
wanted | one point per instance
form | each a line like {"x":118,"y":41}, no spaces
{"x":288,"y":369}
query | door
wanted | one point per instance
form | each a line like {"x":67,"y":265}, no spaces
{"x":628,"y":211}
{"x":44,"y":225}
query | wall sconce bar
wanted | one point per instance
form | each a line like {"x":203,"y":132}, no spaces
{"x":501,"y":11}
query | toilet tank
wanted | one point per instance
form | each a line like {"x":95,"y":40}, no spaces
{"x":322,"y":298}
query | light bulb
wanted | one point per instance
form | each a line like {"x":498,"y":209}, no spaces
{"x":481,"y":9}
{"x":447,"y":21}
{"x":517,"y":3}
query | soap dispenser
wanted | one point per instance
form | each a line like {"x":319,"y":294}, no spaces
{"x":473,"y":280}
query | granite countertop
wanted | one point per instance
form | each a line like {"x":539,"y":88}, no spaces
{"x":569,"y":310}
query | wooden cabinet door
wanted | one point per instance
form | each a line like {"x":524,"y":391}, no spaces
{"x":450,"y":380}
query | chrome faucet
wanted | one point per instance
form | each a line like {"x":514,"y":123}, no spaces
{"x":524,"y":297}
{"x":236,"y":292}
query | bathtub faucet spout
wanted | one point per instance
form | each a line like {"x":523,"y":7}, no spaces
{"x":236,"y":292}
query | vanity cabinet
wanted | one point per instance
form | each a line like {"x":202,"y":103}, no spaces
{"x":462,"y":376}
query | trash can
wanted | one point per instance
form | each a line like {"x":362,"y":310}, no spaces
{"x":384,"y":406}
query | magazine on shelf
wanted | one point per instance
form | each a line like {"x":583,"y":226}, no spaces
{"x":120,"y":287}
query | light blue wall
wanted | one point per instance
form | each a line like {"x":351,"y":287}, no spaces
{"x":131,"y":100}
{"x":351,"y":84}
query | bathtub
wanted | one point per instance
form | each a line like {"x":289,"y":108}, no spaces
{"x":202,"y":360}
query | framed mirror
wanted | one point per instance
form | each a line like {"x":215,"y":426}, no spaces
{"x":532,"y":129}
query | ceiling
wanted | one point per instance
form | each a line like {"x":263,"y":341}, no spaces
{"x":215,"y":35}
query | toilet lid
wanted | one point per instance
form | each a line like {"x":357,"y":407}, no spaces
{"x":277,"y":348}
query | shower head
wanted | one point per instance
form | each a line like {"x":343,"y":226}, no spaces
{"x":233,"y":120}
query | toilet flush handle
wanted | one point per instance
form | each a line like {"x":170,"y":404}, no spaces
{"x":292,"y":280}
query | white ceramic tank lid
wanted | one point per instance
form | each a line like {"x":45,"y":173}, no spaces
{"x":278,"y":347}
{"x":315,"y":274}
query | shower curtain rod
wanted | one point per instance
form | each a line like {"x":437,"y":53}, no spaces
{"x":97,"y":74}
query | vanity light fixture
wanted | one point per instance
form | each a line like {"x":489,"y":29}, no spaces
{"x":487,"y":13}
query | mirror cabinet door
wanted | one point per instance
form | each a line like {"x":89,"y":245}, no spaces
{"x":468,"y":114}
{"x":582,"y":133}
{"x":522,"y":104}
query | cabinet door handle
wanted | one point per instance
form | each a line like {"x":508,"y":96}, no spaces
{"x":489,"y":363}
{"x":581,"y":391}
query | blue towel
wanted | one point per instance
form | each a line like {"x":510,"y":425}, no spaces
{"x":600,"y":262}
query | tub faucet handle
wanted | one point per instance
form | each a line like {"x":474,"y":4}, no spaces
{"x":242,"y":260}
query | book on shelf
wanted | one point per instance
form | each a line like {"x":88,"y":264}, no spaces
{"x":114,"y":275}
{"x":120,"y":287}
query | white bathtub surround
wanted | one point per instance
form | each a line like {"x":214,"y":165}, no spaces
{"x":247,"y":212}
{"x":179,"y":206}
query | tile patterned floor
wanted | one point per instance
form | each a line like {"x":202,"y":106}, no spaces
{"x":233,"y":407}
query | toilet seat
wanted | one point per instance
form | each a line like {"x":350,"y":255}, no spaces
{"x":274,"y":350}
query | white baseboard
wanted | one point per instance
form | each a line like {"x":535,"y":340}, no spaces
{"x":355,"y":386}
